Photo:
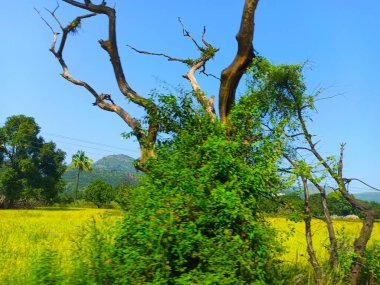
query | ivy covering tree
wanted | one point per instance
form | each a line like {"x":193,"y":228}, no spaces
{"x":30,"y":168}
{"x":194,"y":218}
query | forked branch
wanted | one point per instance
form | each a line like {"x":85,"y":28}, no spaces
{"x":198,"y":64}
{"x":232,"y":74}
{"x":146,"y":137}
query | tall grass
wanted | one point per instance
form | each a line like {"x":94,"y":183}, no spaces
{"x":26,"y":235}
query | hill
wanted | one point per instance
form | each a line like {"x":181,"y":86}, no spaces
{"x":113,"y":169}
{"x":369,"y":196}
{"x":365,"y":196}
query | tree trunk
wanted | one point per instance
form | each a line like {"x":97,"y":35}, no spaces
{"x":330,"y":229}
{"x":76,"y":188}
{"x":310,"y":249}
{"x":365,"y":234}
{"x":231,"y":75}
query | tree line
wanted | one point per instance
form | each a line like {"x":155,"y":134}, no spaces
{"x":31,"y":169}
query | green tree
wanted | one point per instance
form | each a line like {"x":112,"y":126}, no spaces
{"x":337,"y":205}
{"x":30,"y":168}
{"x":194,"y":217}
{"x":83,"y":163}
{"x":99,"y":192}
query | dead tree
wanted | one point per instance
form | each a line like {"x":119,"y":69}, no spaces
{"x":147,"y":135}
{"x":306,"y":174}
{"x":335,"y":172}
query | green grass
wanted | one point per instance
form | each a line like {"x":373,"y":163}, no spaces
{"x":26,"y":234}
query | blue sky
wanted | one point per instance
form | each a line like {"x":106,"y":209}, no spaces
{"x":339,"y":38}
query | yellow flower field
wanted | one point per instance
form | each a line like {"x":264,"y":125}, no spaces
{"x":24,"y":234}
{"x":296,"y":244}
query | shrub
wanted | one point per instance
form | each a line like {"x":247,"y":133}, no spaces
{"x":99,"y":193}
{"x":194,"y":219}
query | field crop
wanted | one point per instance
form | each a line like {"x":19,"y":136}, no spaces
{"x":26,"y":234}
{"x":296,"y":242}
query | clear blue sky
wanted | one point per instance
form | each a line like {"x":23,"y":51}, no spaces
{"x":340,"y":38}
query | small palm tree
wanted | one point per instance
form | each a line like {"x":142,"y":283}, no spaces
{"x":83,"y":163}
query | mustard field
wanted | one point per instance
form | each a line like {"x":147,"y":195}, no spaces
{"x":296,"y":253}
{"x":26,"y":234}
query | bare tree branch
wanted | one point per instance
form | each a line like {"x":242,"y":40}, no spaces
{"x":145,"y":138}
{"x":198,"y":64}
{"x":54,"y":16}
{"x":203,"y":38}
{"x":209,"y":74}
{"x":170,"y":58}
{"x":366,"y":230}
{"x":46,"y":22}
{"x":187,"y":34}
{"x":330,"y":228}
{"x":348,"y":180}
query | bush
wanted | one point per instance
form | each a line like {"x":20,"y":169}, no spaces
{"x":99,"y":192}
{"x":371,"y":266}
{"x":194,"y":219}
{"x":47,"y":269}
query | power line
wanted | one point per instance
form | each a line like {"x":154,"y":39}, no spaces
{"x":102,"y":152}
{"x":95,"y":148}
{"x":114,"y":148}
{"x":348,"y":180}
{"x":38,"y":148}
{"x":85,"y":141}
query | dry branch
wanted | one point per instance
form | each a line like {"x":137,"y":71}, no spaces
{"x":146,"y":137}
{"x":198,"y":64}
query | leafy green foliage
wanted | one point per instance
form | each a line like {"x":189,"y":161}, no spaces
{"x":337,"y":205}
{"x":371,"y":267}
{"x":99,"y":192}
{"x":30,"y":168}
{"x":276,"y":91}
{"x":47,"y":269}
{"x":92,"y":255}
{"x":74,"y":26}
{"x":193,"y":218}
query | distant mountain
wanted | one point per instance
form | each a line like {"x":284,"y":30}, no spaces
{"x":117,"y":162}
{"x":365,"y":196}
{"x":314,"y":190}
{"x":113,"y":169}
{"x":369,"y":196}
